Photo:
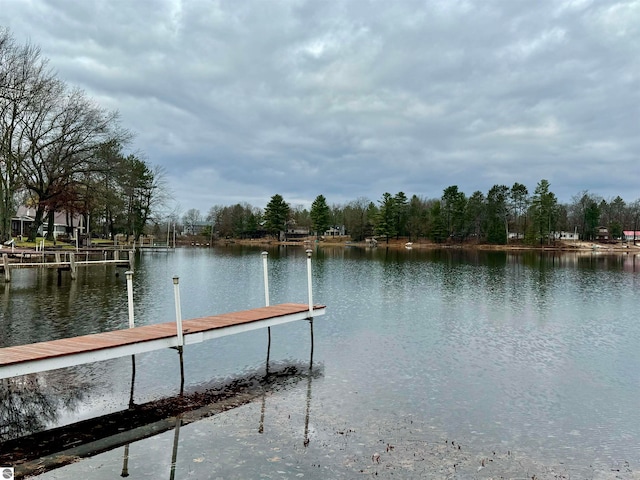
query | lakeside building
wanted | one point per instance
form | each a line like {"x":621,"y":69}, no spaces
{"x":631,"y":235}
{"x":566,"y":236}
{"x":64,"y":223}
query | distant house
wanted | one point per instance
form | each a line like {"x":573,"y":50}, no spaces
{"x":293,"y":233}
{"x":566,"y":236}
{"x":602,"y":234}
{"x":631,"y":236}
{"x":63,"y":223}
{"x":336,"y":231}
{"x":196,"y":228}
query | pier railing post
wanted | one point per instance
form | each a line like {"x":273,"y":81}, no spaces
{"x":176,"y":292}
{"x":7,"y":272}
{"x":129,"y":275}
{"x":266,"y":277}
{"x":310,"y":285}
{"x":72,"y":265}
{"x":266,"y":302}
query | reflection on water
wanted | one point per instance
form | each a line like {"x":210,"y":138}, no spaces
{"x":501,"y":352}
{"x":50,"y":449}
{"x":31,"y":403}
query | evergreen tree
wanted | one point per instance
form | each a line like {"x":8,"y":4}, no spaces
{"x":401,"y":210}
{"x":453,"y":204}
{"x":276,"y":214}
{"x":438,"y":225}
{"x":544,"y":210}
{"x":475,"y":214}
{"x":320,"y":215}
{"x":497,"y":214}
{"x":386,"y":224}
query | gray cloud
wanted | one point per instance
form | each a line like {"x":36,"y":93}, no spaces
{"x":242,"y":100}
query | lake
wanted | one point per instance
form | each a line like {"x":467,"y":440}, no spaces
{"x":428,"y":364}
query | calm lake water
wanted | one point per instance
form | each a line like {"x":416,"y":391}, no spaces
{"x":428,"y":364}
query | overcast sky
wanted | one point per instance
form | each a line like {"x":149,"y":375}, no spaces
{"x":241,"y":100}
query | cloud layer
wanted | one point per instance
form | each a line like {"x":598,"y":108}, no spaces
{"x":242,"y":100}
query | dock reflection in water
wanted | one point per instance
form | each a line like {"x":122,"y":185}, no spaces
{"x":36,"y":453}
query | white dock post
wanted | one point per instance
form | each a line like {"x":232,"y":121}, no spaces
{"x":309,"y":252}
{"x":176,"y":291}
{"x":266,"y":302}
{"x":7,"y":272}
{"x":266,"y":277}
{"x":129,"y":275}
{"x":72,"y":265}
{"x":132,"y":324}
{"x":132,"y":259}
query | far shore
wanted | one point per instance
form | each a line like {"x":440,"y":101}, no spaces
{"x":308,"y":242}
{"x":564,"y":246}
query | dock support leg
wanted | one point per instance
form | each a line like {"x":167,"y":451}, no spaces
{"x":7,"y":272}
{"x":133,"y":380}
{"x":180,"y":353}
{"x":268,"y":350}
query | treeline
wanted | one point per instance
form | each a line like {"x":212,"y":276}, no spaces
{"x":501,"y":215}
{"x":60,"y":151}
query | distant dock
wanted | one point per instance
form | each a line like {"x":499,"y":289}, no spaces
{"x":60,"y":260}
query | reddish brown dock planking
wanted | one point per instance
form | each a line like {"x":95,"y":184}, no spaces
{"x":22,"y":359}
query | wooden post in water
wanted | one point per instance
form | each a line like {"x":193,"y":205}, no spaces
{"x":72,"y":265}
{"x":7,"y":272}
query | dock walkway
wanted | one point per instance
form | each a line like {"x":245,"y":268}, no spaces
{"x":50,"y":355}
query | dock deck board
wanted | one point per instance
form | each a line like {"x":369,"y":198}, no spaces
{"x":42,"y":356}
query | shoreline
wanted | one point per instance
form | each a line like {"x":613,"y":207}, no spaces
{"x":560,"y":246}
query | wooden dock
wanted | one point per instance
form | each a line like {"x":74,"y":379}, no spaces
{"x":61,"y":265}
{"x":67,"y":352}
